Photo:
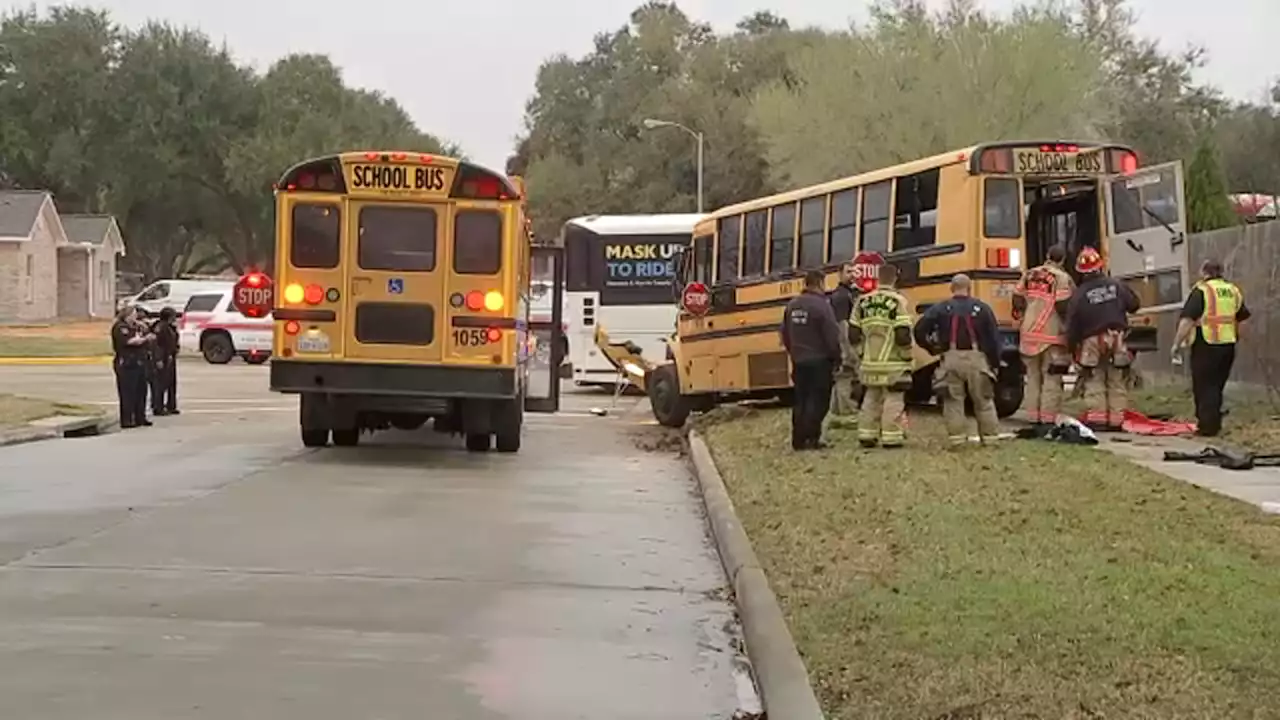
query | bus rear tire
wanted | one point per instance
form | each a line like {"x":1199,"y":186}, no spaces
{"x":313,"y":437}
{"x":478,"y":442}
{"x":506,"y":436}
{"x":670,"y":408}
{"x":346,"y":437}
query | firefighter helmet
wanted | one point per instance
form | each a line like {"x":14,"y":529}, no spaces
{"x":1088,"y":261}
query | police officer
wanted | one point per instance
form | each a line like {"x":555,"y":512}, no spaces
{"x":164,"y":363}
{"x":963,"y":330}
{"x":128,"y":342}
{"x":811,"y":335}
{"x":842,"y":299}
{"x":1097,"y":321}
{"x":881,"y":326}
{"x":1040,"y":307}
{"x":1213,"y":311}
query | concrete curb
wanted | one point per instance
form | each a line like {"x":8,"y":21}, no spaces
{"x":87,"y":360}
{"x":51,"y":428}
{"x":780,"y":673}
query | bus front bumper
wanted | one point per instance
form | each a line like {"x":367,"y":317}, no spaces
{"x":354,"y":378}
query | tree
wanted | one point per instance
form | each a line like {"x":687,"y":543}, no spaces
{"x":1208,"y":207}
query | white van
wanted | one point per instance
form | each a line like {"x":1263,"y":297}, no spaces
{"x":174,"y":294}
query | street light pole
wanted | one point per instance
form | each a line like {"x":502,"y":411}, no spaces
{"x":652,"y":124}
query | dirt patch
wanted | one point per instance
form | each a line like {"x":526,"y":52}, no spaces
{"x":18,"y":410}
{"x":1026,"y":580}
{"x":79,"y":339}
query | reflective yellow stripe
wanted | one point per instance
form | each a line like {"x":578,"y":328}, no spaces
{"x":1218,"y":321}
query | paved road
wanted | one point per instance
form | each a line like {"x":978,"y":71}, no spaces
{"x":210,"y":567}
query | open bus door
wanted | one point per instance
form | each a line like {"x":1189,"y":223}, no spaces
{"x":542,"y":385}
{"x":1147,"y":243}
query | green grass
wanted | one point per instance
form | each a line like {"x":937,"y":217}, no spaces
{"x":17,"y":410}
{"x":1025,"y":580}
{"x":42,"y":346}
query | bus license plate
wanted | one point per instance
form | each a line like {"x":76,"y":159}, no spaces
{"x":313,"y":344}
{"x":1005,"y":290}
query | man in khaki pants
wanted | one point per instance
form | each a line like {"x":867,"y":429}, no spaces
{"x":843,"y":409}
{"x":1040,"y":307}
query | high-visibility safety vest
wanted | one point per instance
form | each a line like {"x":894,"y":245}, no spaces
{"x":1222,"y":300}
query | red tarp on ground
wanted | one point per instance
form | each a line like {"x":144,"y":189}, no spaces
{"x":1139,"y":424}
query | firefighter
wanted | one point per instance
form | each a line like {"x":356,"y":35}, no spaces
{"x":810,"y":334}
{"x":1097,"y":321}
{"x":843,"y":297}
{"x":881,"y":325}
{"x":963,"y":330}
{"x":1213,"y":311}
{"x":1040,"y":307}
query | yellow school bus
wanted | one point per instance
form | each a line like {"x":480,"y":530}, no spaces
{"x":991,"y":211}
{"x":402,"y":295}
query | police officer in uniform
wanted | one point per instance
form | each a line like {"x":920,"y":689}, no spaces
{"x":963,"y":330}
{"x":843,"y":408}
{"x":881,"y":326}
{"x":811,"y":335}
{"x":1097,"y":322}
{"x":129,"y":343}
{"x":1213,"y":311}
{"x":164,"y":363}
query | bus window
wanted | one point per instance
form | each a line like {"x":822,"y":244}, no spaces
{"x":729,"y":231}
{"x":782,"y":238}
{"x":1001,"y":208}
{"x":477,"y":242}
{"x":702,"y":258}
{"x":875,"y":217}
{"x":916,"y":221}
{"x":844,"y":226}
{"x":316,"y":239}
{"x":755,"y":241}
{"x":397,"y":238}
{"x":813,"y":220}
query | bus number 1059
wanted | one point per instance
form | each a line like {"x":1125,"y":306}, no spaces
{"x":470,"y":337}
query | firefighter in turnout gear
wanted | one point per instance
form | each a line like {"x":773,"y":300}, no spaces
{"x":963,"y":330}
{"x":843,"y":407}
{"x":881,"y":324}
{"x":1097,"y":321}
{"x":1040,"y":306}
{"x":1213,"y":312}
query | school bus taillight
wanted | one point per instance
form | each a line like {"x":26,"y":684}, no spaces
{"x":294,"y":293}
{"x":1003,"y":258}
{"x":494,"y":335}
{"x":1124,"y":162}
{"x":292,"y":327}
{"x":313,"y":294}
{"x":1060,"y":147}
{"x":493,"y":301}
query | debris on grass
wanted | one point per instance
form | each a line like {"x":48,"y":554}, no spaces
{"x":1025,"y":579}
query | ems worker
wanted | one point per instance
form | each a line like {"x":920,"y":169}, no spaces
{"x":881,"y":326}
{"x":164,"y":384}
{"x":811,"y":335}
{"x":1097,"y":321}
{"x":842,"y":299}
{"x":129,"y":342}
{"x":1214,"y":310}
{"x":1040,"y":306}
{"x":963,"y":330}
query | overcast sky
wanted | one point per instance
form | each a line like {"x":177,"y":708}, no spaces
{"x":391,"y":45}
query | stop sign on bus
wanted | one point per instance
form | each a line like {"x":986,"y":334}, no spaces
{"x":866,"y":270}
{"x":696,"y":299}
{"x":254,"y":295}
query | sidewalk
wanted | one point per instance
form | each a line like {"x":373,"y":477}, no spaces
{"x":1256,"y":486}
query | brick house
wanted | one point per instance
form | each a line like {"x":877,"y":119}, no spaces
{"x":46,"y":275}
{"x":87,"y":266}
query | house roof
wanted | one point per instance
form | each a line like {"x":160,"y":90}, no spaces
{"x":19,"y":210}
{"x":88,"y":229}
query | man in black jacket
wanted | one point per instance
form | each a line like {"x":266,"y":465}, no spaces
{"x":812,"y":338}
{"x":164,"y":360}
{"x":843,"y":409}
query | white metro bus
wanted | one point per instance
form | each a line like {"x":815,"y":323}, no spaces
{"x":619,"y":271}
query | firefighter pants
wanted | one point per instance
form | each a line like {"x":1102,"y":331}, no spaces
{"x":1042,"y":401}
{"x":884,"y":416}
{"x":1104,"y":370}
{"x":812,"y":381}
{"x":966,"y":373}
{"x":1210,"y":368}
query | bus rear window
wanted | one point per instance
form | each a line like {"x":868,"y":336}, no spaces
{"x":477,"y":242}
{"x":398,"y":238}
{"x":1002,"y":209}
{"x":317,"y":236}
